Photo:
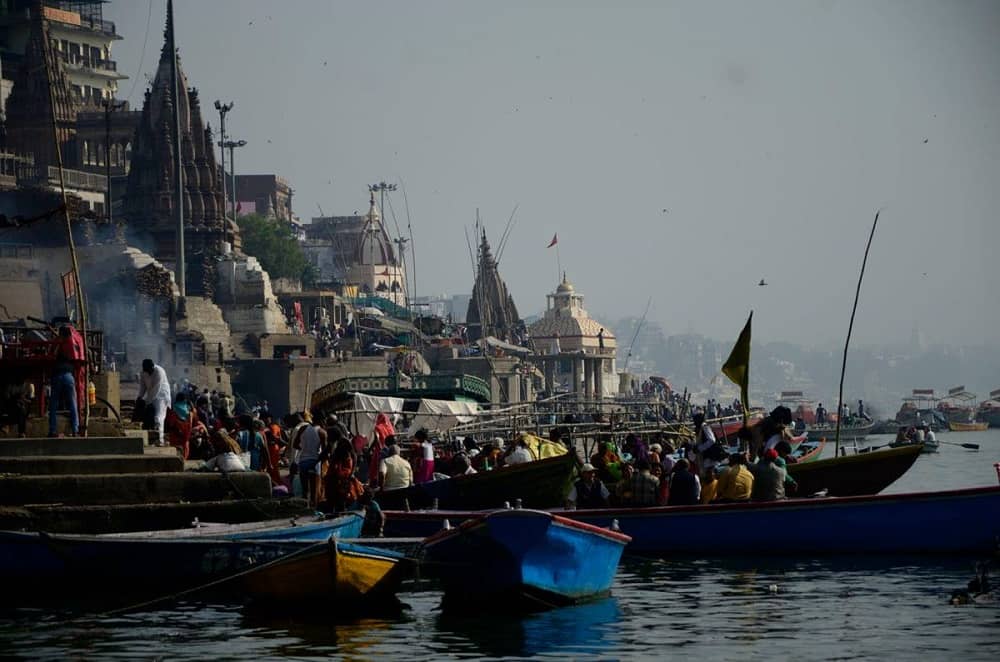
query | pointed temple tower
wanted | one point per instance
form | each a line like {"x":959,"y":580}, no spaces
{"x":150,"y":197}
{"x":491,"y":310}
{"x":29,"y":115}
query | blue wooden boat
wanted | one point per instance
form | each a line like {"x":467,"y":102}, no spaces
{"x":347,"y":525}
{"x":955,"y":521}
{"x":524,"y":557}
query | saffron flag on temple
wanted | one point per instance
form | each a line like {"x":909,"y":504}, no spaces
{"x":555,"y":240}
{"x":737,"y":366}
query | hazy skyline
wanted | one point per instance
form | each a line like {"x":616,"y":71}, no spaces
{"x":681,"y":151}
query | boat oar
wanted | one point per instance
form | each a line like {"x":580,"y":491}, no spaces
{"x":971,"y":447}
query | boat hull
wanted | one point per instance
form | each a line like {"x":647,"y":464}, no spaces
{"x":68,"y":561}
{"x":539,"y":484}
{"x":335,"y":571}
{"x":854,"y":475}
{"x":847,"y":433}
{"x":958,"y":521}
{"x":975,"y":426}
{"x":342,"y":526}
{"x":529,"y":557}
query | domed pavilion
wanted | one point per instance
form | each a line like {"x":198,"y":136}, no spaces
{"x":575,"y":351}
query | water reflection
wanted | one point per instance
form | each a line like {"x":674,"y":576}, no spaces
{"x":589,"y":629}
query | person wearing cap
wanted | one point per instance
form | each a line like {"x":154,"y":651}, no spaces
{"x":588,"y":491}
{"x":768,"y":478}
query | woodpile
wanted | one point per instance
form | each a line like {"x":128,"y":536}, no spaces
{"x":154,"y":281}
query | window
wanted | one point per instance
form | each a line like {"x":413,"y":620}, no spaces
{"x":85,"y":153}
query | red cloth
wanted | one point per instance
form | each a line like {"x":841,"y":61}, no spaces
{"x":73,"y":349}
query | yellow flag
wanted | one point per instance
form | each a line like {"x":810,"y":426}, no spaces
{"x":737,"y":366}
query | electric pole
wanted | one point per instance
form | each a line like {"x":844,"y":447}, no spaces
{"x":110,"y":106}
{"x":232,"y":145}
{"x":223,"y":108}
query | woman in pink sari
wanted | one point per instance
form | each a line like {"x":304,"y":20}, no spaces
{"x":383,"y":430}
{"x":424,"y":451}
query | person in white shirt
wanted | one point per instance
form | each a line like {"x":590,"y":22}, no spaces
{"x":225,"y":459}
{"x":519,"y":453}
{"x":396,"y":471}
{"x":154,"y":390}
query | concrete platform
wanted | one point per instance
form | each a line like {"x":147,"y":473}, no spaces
{"x":145,"y":517}
{"x":63,"y":465}
{"x":145,"y":488}
{"x":47,"y":446}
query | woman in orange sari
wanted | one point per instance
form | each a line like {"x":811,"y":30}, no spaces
{"x":181,"y":419}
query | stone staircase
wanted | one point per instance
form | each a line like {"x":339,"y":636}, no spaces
{"x":243,"y":346}
{"x":204,"y":317}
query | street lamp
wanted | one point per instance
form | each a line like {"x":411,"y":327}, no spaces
{"x":232,"y":145}
{"x":223,"y":108}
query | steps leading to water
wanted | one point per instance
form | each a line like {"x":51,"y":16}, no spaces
{"x":63,"y":446}
{"x":63,"y":465}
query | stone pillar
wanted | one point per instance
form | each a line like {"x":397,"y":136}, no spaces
{"x":599,"y":379}
{"x":575,"y":390}
{"x":588,"y":379}
{"x":549,"y":368}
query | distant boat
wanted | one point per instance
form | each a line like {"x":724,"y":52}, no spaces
{"x":527,"y":557}
{"x":338,"y":573}
{"x":538,"y":484}
{"x":848,"y":431}
{"x":969,"y":426}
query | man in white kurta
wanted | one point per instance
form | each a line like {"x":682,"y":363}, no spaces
{"x":154,"y":390}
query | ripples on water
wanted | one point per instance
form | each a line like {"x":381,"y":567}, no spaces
{"x":838,"y":608}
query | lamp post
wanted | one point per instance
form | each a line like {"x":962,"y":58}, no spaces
{"x":223,"y":108}
{"x":380,"y":188}
{"x":232,"y":145}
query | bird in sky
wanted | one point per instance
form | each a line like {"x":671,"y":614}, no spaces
{"x":762,"y":283}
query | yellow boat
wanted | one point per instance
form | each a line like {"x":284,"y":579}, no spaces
{"x":975,"y":426}
{"x":335,"y":570}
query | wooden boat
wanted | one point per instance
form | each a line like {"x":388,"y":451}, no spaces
{"x":950,"y":522}
{"x":340,"y":572}
{"x":956,"y":521}
{"x":828,"y":431}
{"x":66,"y":562}
{"x":854,"y":475}
{"x":808,"y":451}
{"x":539,"y":484}
{"x":970,"y":426}
{"x":528,"y":557}
{"x":729,"y":429}
{"x":347,"y":525}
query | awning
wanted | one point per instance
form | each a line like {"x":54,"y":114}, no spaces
{"x":507,"y":347}
{"x":367,"y":407}
{"x":442,"y":415}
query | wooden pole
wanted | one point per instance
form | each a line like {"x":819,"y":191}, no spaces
{"x":80,"y":302}
{"x":847,"y":343}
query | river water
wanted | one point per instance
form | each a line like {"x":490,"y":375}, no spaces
{"x":778,"y":608}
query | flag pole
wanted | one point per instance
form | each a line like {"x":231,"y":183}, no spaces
{"x":558,"y":266}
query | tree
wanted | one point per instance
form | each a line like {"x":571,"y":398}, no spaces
{"x":274,"y":245}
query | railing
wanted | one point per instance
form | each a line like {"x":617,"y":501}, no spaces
{"x":79,"y":179}
{"x":16,"y":251}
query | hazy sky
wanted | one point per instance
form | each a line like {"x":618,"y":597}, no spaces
{"x":681,"y":150}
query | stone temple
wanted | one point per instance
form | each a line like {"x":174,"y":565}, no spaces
{"x":150,"y":197}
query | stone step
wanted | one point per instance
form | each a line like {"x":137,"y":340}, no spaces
{"x":62,"y":446}
{"x":62,"y":465}
{"x":113,"y":489}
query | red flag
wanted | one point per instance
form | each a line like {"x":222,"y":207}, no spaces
{"x":555,"y":240}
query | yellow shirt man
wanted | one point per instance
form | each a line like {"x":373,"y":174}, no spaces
{"x":735,"y":484}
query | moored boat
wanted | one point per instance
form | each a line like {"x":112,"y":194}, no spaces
{"x":67,"y":562}
{"x":347,"y":525}
{"x":854,"y":475}
{"x":528,"y":557}
{"x":955,"y":521}
{"x":848,"y":431}
{"x":538,"y":484}
{"x":339,"y":572}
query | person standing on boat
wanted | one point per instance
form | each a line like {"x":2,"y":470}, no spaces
{"x":154,"y":390}
{"x":862,"y":413}
{"x":588,"y":491}
{"x":820,"y":414}
{"x":644,"y":488}
{"x":425,"y":470}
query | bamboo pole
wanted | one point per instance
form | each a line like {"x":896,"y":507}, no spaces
{"x":850,"y":328}
{"x":80,"y":302}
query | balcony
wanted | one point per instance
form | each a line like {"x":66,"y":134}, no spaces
{"x":75,"y":62}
